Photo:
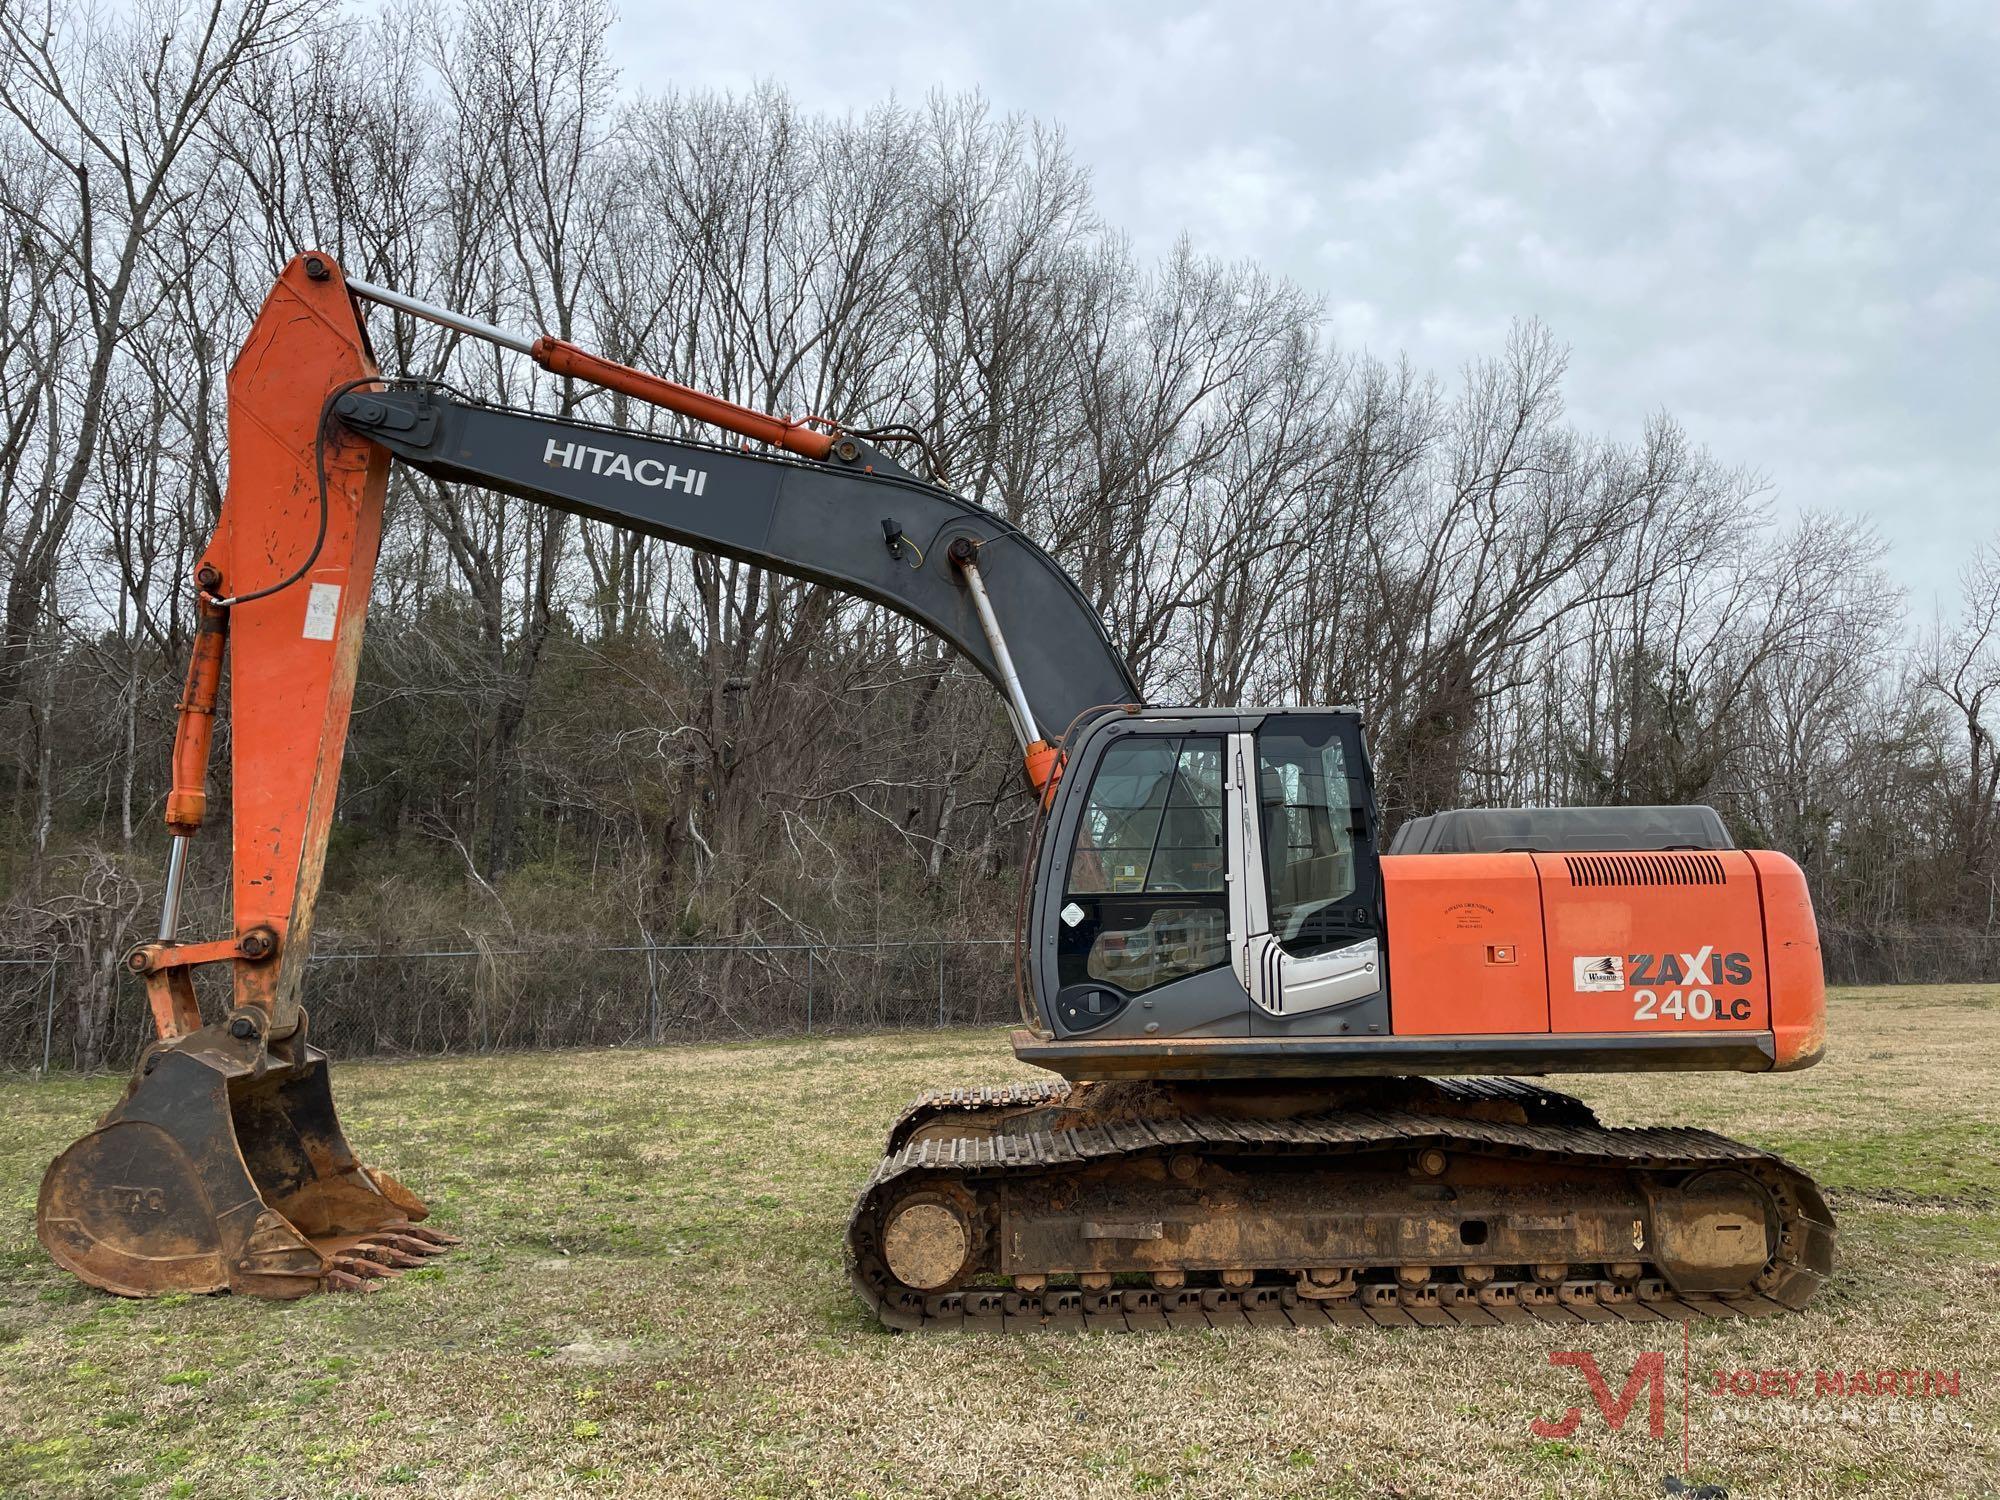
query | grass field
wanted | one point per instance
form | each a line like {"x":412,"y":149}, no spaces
{"x":651,"y":1301}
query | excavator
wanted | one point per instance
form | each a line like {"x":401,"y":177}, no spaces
{"x":1293,"y":1072}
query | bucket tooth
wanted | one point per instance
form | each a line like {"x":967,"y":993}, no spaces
{"x":388,"y":1255}
{"x":224,"y":1167}
{"x":409,"y":1244}
{"x":431,"y":1236}
{"x":361,"y":1264}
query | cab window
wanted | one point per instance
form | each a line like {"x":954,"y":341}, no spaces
{"x":1145,"y":902}
{"x":1310,"y":801}
{"x":1154,"y":820}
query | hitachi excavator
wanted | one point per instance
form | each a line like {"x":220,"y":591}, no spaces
{"x":1292,"y":1068}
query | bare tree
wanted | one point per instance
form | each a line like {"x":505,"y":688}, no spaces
{"x":122,"y":105}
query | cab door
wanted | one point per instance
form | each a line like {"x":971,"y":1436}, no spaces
{"x":1139,"y":925}
{"x":1306,"y":935}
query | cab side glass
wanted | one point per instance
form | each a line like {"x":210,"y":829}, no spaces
{"x":1310,"y":803}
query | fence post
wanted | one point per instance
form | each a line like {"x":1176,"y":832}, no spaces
{"x":810,"y":954}
{"x":940,"y":984}
{"x":49,"y":1020}
{"x":652,"y":995}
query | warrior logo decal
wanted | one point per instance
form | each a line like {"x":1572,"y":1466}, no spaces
{"x":1600,"y":974}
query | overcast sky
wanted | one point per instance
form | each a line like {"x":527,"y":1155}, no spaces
{"x":1780,"y":223}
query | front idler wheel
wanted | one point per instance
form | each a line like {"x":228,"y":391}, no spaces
{"x":931,"y":1239}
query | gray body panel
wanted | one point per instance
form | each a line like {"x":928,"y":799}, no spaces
{"x":1210,"y":1004}
{"x":1365,"y":1017}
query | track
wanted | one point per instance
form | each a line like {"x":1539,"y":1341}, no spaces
{"x":1025,"y":1167}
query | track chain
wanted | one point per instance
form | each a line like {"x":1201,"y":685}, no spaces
{"x":988,"y":1100}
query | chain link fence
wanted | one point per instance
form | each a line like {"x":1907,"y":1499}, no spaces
{"x":1910,"y":955}
{"x":491,"y":998}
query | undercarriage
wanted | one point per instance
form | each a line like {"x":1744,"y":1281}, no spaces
{"x":1391,"y":1201}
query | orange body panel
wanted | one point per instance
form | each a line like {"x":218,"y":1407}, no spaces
{"x":293,"y":654}
{"x":1465,"y":944}
{"x":1647,"y":956}
{"x":1605,"y":943}
{"x":1792,"y":958}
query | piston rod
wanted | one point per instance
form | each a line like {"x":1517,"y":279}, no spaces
{"x":966,"y":557}
{"x":431,"y":312}
{"x":170,"y":905}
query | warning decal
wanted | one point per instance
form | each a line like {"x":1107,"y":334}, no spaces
{"x":322,"y":609}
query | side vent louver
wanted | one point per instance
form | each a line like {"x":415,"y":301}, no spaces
{"x":1645,"y":869}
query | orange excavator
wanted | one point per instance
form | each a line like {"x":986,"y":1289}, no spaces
{"x":1293,"y":1069}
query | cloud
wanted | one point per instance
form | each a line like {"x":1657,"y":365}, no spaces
{"x":1778,"y":222}
{"x":1236,"y":199}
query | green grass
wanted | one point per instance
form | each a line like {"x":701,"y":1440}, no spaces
{"x":651,"y":1301}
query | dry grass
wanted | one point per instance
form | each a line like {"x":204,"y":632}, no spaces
{"x":652,"y":1302}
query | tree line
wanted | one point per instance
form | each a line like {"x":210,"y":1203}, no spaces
{"x":565,"y":733}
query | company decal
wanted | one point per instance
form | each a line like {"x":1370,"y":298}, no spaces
{"x":612,"y":464}
{"x":1671,"y":986}
{"x":1599,"y":973}
{"x":322,"y":611}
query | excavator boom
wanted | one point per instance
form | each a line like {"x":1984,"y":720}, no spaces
{"x":857,"y":523}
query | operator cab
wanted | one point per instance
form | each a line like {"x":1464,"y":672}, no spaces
{"x":1212,"y":873}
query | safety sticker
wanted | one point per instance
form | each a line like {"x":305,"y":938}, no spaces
{"x":322,"y":608}
{"x":1072,"y":914}
{"x":1600,"y":974}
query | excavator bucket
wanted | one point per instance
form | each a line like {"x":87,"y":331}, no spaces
{"x":224,"y":1167}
